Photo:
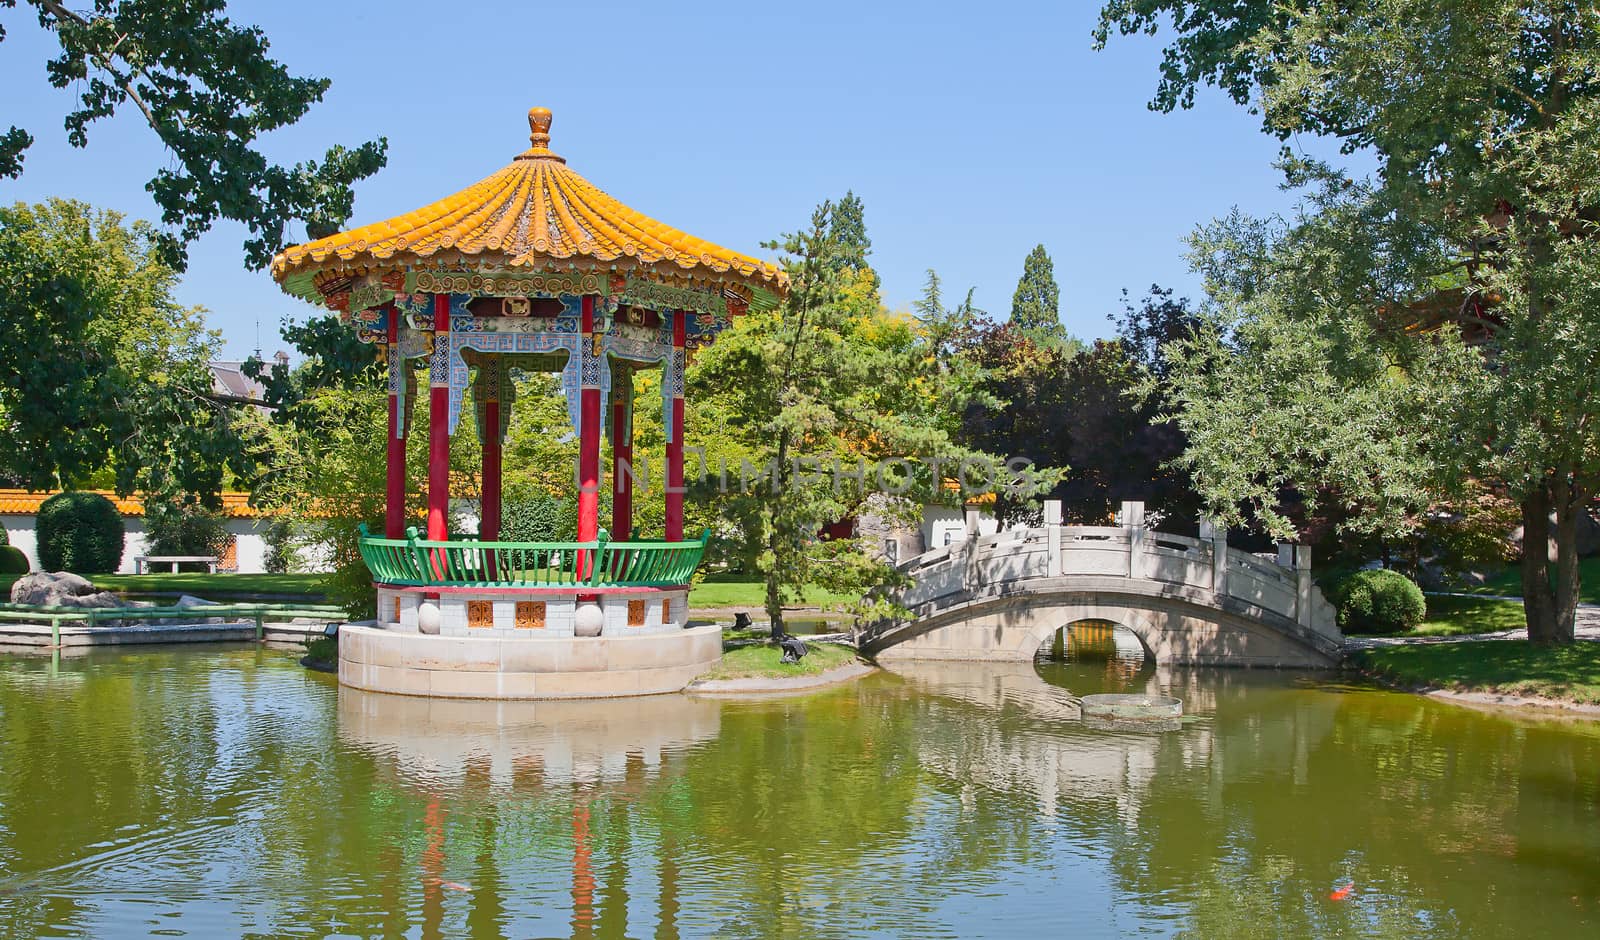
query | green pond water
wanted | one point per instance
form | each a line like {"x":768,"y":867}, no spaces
{"x":227,"y":792}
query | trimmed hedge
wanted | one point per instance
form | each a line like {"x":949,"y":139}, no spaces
{"x":80,"y":532}
{"x":539,"y":518}
{"x":1379,"y":601}
{"x":12,"y":561}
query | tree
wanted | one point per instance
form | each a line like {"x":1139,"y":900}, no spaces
{"x":208,"y":90}
{"x":847,"y":226}
{"x":103,"y":370}
{"x":1036,"y":305}
{"x":1477,"y":232}
{"x":827,"y":376}
{"x":1091,"y":415}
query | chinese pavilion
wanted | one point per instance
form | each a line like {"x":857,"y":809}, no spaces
{"x":532,"y":268}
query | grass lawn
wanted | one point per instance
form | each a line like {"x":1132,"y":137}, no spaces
{"x":761,"y":662}
{"x":1453,"y":616}
{"x":213,"y":586}
{"x":1569,"y":673}
{"x":1509,"y":582}
{"x":740,"y":590}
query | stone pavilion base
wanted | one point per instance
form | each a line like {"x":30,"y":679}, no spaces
{"x":397,"y":658}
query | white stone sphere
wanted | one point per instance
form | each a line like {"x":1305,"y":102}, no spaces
{"x":428,"y":617}
{"x":588,"y":619}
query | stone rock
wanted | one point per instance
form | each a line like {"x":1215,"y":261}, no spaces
{"x":60,"y":589}
{"x":188,"y":600}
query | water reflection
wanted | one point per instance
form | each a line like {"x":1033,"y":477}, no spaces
{"x":226,"y":793}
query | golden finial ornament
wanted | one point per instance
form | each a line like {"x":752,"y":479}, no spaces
{"x":539,"y":127}
{"x":539,"y":136}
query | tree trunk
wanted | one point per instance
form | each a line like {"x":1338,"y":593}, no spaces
{"x":1569,"y":503}
{"x":1538,"y":601}
{"x":780,"y":485}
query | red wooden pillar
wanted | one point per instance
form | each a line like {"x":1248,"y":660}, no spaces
{"x":489,"y":521}
{"x":394,"y":523}
{"x":588,"y":432}
{"x":675,"y":433}
{"x":439,"y":422}
{"x":621,"y":453}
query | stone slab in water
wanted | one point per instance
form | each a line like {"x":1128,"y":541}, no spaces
{"x":1124,"y":707}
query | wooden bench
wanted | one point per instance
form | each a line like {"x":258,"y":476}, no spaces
{"x":141,"y":562}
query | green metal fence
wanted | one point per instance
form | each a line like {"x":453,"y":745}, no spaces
{"x":261,"y":614}
{"x":601,"y":563}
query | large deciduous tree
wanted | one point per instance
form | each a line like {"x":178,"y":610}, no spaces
{"x":1439,"y":321}
{"x":208,"y":89}
{"x":101,"y":369}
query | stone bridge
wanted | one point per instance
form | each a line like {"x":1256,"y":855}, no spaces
{"x":1189,"y":601}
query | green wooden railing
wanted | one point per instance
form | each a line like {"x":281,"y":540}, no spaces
{"x":466,"y":563}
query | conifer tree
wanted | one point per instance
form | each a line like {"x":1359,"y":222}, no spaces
{"x":1036,"y":306}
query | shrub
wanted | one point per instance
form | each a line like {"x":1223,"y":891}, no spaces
{"x":184,"y":528}
{"x":80,"y":532}
{"x":282,"y":556}
{"x":1379,"y":601}
{"x":4,"y":539}
{"x":12,"y":561}
{"x":538,"y":518}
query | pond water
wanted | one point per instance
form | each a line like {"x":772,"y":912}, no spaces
{"x":226,"y":792}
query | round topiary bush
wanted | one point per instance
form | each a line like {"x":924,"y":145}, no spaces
{"x":12,"y":561}
{"x":1379,"y":601}
{"x":80,"y":532}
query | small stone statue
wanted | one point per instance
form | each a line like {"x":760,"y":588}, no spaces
{"x":793,"y":648}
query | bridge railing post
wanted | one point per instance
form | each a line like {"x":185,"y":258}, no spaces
{"x":1218,"y":537}
{"x":1303,"y":614}
{"x":1132,"y":517}
{"x":1052,"y":522}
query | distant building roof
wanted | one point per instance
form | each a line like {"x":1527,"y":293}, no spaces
{"x":24,"y":503}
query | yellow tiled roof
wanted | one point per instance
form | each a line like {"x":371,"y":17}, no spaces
{"x":536,"y":215}
{"x":25,"y":503}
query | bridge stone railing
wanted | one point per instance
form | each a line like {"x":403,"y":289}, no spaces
{"x":1229,"y":578}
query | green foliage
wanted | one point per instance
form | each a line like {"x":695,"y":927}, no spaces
{"x":1036,"y":305}
{"x":331,"y":356}
{"x":184,"y":527}
{"x":541,"y":517}
{"x":322,"y":649}
{"x":830,"y":375}
{"x":1378,"y":601}
{"x":102,"y":370}
{"x":12,"y":561}
{"x":1437,"y":322}
{"x":282,"y":554}
{"x":80,"y":532}
{"x":208,"y":90}
{"x":847,"y":227}
{"x":328,"y":469}
{"x":4,"y":538}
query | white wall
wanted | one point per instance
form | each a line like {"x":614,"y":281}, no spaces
{"x":248,"y":533}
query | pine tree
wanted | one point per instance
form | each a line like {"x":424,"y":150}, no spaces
{"x":847,"y":229}
{"x":1036,"y":306}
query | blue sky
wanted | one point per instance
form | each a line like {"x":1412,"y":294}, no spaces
{"x":972,"y":133}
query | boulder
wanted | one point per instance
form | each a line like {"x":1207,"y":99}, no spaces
{"x":189,"y":600}
{"x":60,"y":589}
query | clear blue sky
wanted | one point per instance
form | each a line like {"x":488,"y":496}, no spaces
{"x":972,"y":133}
